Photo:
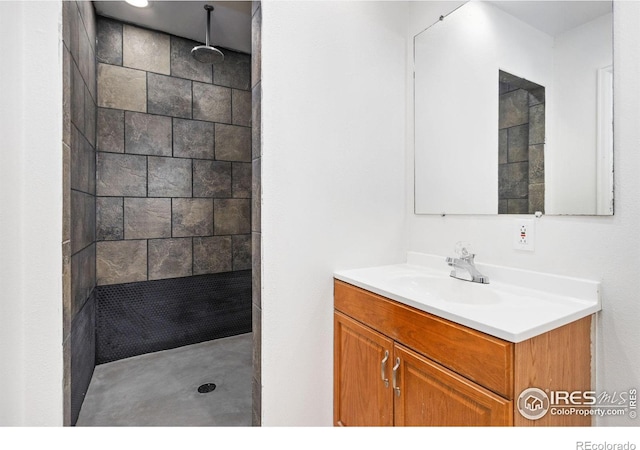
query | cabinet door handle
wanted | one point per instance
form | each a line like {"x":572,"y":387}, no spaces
{"x":383,"y":368}
{"x":395,"y":377}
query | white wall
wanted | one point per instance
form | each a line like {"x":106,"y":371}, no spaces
{"x":31,"y":214}
{"x":333,"y":99}
{"x":579,"y":53}
{"x":600,"y":248}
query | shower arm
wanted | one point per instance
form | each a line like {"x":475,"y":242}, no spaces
{"x":209,"y":8}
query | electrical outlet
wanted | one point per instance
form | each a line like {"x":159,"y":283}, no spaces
{"x":524,"y":234}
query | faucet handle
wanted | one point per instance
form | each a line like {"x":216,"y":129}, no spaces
{"x":463,"y":250}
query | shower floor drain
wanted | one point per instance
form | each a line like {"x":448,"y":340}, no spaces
{"x":206,"y":388}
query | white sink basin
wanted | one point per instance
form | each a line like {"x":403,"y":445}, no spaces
{"x":447,"y":289}
{"x":515,"y":306}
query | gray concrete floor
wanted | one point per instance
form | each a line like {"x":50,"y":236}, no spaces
{"x":161,"y":389}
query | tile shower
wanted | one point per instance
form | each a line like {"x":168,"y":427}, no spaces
{"x":160,"y":194}
{"x":79,"y":217}
{"x":521,"y":146}
{"x":173,"y":171}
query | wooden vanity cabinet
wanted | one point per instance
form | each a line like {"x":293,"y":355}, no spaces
{"x":431,"y":395}
{"x":396,"y":365}
{"x":362,"y":397}
{"x":425,"y":392}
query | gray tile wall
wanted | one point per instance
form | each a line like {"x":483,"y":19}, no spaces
{"x":256,"y":202}
{"x":79,"y":200}
{"x":174,"y":158}
{"x":521,"y":146}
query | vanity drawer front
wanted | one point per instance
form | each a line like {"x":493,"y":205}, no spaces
{"x":479,"y":357}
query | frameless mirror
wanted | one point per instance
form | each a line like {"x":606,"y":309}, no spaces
{"x":514,"y":109}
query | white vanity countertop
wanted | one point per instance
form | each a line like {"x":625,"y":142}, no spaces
{"x":515,"y":306}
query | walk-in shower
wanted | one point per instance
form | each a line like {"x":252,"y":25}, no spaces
{"x":160,"y":201}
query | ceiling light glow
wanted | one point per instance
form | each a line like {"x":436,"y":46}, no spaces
{"x":138,"y":3}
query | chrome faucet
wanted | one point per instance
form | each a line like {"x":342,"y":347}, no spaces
{"x":464,"y":267}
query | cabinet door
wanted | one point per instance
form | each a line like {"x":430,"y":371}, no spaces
{"x":431,"y":395}
{"x":361,"y":396}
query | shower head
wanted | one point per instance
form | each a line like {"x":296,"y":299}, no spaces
{"x":207,"y":53}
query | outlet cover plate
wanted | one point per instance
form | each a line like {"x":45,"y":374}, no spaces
{"x":524,"y":235}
